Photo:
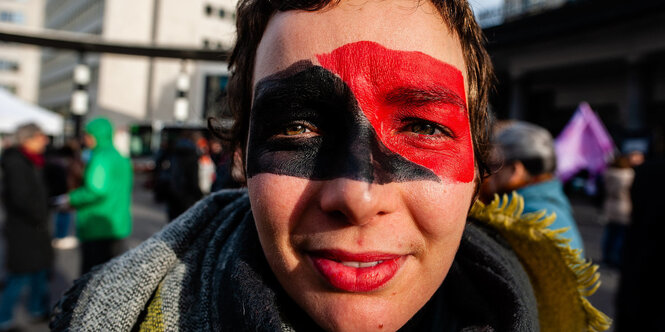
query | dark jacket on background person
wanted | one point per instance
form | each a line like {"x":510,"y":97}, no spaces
{"x":183,"y":185}
{"x":55,"y":172}
{"x":103,"y":202}
{"x":206,"y":271}
{"x":639,"y":302}
{"x":26,"y":226}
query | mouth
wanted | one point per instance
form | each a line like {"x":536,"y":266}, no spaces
{"x":356,"y":272}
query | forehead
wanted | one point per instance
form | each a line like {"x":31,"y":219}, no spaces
{"x":405,"y":25}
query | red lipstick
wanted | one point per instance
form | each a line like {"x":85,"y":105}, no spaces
{"x":361,"y":272}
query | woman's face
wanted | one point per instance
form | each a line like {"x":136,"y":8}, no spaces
{"x":359,"y":160}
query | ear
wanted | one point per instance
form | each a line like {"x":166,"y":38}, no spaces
{"x":238,"y":171}
{"x":519,"y":177}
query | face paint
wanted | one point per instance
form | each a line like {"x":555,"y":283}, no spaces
{"x":341,"y":143}
{"x":367,"y":125}
{"x":395,"y":87}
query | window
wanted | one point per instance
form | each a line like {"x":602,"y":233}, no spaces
{"x":206,"y":43}
{"x":208,"y":10}
{"x":11,"y":17}
{"x":222,"y":13}
{"x":8,"y":65}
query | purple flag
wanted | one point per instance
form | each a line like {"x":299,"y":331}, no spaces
{"x":583,"y":144}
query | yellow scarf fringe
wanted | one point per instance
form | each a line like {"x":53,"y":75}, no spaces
{"x":561,"y":277}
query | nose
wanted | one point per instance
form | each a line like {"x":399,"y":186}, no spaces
{"x":357,"y":202}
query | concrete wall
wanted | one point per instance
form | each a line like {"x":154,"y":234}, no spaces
{"x":25,"y":79}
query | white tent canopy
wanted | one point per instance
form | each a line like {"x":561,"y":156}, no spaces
{"x":15,"y":112}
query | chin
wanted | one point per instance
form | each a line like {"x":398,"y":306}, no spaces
{"x":360,"y":312}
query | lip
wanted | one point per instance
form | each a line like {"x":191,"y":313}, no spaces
{"x":372,"y":270}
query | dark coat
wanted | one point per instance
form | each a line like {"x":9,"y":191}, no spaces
{"x":183,"y":188}
{"x":26,"y":224}
{"x":639,"y":303}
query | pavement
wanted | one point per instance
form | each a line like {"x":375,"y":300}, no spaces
{"x":149,"y":217}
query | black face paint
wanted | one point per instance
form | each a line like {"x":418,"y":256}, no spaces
{"x":346,"y":144}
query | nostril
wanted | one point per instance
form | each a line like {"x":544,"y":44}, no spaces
{"x":337,"y":214}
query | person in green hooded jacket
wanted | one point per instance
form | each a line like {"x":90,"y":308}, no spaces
{"x":103,"y":202}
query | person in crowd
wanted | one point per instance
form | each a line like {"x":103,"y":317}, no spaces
{"x":216,"y":151}
{"x":183,"y":189}
{"x":161,"y":173}
{"x":206,"y":165}
{"x":103,"y":202}
{"x":225,"y":174}
{"x":528,"y":162}
{"x":639,"y":301}
{"x":223,"y":161}
{"x":361,"y":127}
{"x":75,"y":166}
{"x":55,"y":173}
{"x":29,"y":255}
{"x":617,"y":207}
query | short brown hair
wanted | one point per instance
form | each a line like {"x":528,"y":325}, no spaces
{"x":252,"y":19}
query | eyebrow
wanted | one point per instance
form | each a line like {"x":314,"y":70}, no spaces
{"x":415,"y":96}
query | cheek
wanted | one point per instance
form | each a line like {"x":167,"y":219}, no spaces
{"x":440,"y":211}
{"x":275,"y":201}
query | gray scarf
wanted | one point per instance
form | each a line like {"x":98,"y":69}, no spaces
{"x":206,"y":272}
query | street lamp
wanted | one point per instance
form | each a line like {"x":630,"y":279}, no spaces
{"x":79,"y":102}
{"x":181,"y":107}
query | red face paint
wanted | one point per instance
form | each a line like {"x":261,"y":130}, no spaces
{"x":395,"y":87}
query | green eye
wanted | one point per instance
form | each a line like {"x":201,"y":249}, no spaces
{"x":295,"y":129}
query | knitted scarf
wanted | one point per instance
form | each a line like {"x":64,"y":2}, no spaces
{"x":206,"y":272}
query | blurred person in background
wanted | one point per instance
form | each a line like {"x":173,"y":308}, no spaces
{"x":216,"y":150}
{"x":64,"y":172}
{"x":528,"y":162}
{"x":162,"y":172}
{"x":206,"y":165}
{"x":224,"y":171}
{"x":29,"y":254}
{"x":182,"y":187}
{"x":617,"y":207}
{"x":639,"y":302}
{"x":103,"y":202}
{"x":55,"y":173}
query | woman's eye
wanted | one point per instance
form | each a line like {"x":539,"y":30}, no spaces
{"x":295,"y":129}
{"x":421,"y":128}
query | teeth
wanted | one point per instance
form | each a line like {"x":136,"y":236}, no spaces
{"x":361,"y":264}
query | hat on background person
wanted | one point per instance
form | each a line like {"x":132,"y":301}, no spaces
{"x":528,"y":143}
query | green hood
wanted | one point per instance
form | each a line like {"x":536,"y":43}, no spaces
{"x":103,"y":202}
{"x":102,"y":130}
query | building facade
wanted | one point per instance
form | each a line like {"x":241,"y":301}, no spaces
{"x":19,"y":64}
{"x":134,"y":90}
